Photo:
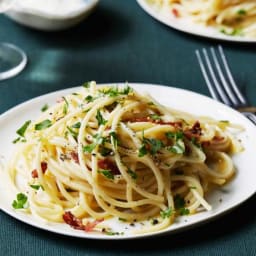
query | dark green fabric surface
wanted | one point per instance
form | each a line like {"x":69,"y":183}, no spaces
{"x":120,"y":42}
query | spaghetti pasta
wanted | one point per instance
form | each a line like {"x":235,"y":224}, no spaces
{"x":231,"y":17}
{"x":110,"y":152}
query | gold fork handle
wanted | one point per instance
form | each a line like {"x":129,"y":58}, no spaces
{"x":247,"y":109}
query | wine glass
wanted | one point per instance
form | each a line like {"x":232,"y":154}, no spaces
{"x":12,"y":59}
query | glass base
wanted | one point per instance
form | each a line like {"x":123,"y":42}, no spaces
{"x":12,"y":60}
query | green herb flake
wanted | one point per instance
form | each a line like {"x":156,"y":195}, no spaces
{"x":37,"y":187}
{"x":107,"y":173}
{"x":89,"y":98}
{"x":98,"y":140}
{"x":122,"y":219}
{"x":86,"y":84}
{"x":179,"y":135}
{"x":72,"y":132}
{"x":178,"y":147}
{"x":76,"y":125}
{"x":232,"y":32}
{"x":114,"y":138}
{"x":20,"y":202}
{"x":16,"y":140}
{"x":133,"y":174}
{"x":184,"y":211}
{"x":142,"y":151}
{"x":100,"y":119}
{"x":179,"y":204}
{"x":166,"y":213}
{"x":114,"y":91}
{"x":242,"y":12}
{"x":21,"y":131}
{"x":89,"y":148}
{"x":43,"y":125}
{"x":65,"y":107}
{"x":155,"y":117}
{"x":44,"y":107}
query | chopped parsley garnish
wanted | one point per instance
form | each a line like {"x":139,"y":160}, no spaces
{"x":72,"y":132}
{"x":89,"y":98}
{"x":89,"y":148}
{"x":76,"y":125}
{"x":133,"y":174}
{"x":100,"y":119}
{"x":143,"y":151}
{"x":184,"y":211}
{"x":86,"y":84}
{"x":232,"y":32}
{"x":150,"y":145}
{"x":98,"y":140}
{"x":178,"y":147}
{"x":155,"y":117}
{"x":166,"y":213}
{"x":241,"y":12}
{"x":175,"y":135}
{"x":44,"y":107}
{"x":115,"y":91}
{"x":37,"y":187}
{"x":114,"y":138}
{"x":43,"y":125}
{"x":65,"y":107}
{"x":20,"y":202}
{"x":107,"y":173}
{"x":179,"y":204}
{"x":21,"y":131}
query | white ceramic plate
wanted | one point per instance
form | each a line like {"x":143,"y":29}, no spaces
{"x":186,"y":25}
{"x":222,"y":200}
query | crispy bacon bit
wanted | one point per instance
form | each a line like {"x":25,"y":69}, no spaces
{"x":76,"y":223}
{"x":194,"y":132}
{"x":74,"y":156}
{"x":175,"y":12}
{"x":34,"y":173}
{"x":107,"y":164}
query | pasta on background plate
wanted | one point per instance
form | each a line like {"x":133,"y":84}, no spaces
{"x":231,"y":17}
{"x":109,"y":152}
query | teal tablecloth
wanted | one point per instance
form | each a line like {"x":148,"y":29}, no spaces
{"x":120,"y":42}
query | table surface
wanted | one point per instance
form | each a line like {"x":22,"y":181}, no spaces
{"x":120,"y":42}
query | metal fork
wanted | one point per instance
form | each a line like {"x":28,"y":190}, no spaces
{"x":220,"y":82}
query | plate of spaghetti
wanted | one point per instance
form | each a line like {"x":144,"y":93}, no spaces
{"x":112,"y":162}
{"x":230,"y":20}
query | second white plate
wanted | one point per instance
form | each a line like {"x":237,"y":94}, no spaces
{"x":185,"y":25}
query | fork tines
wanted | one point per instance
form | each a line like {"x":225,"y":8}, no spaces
{"x":218,"y":77}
